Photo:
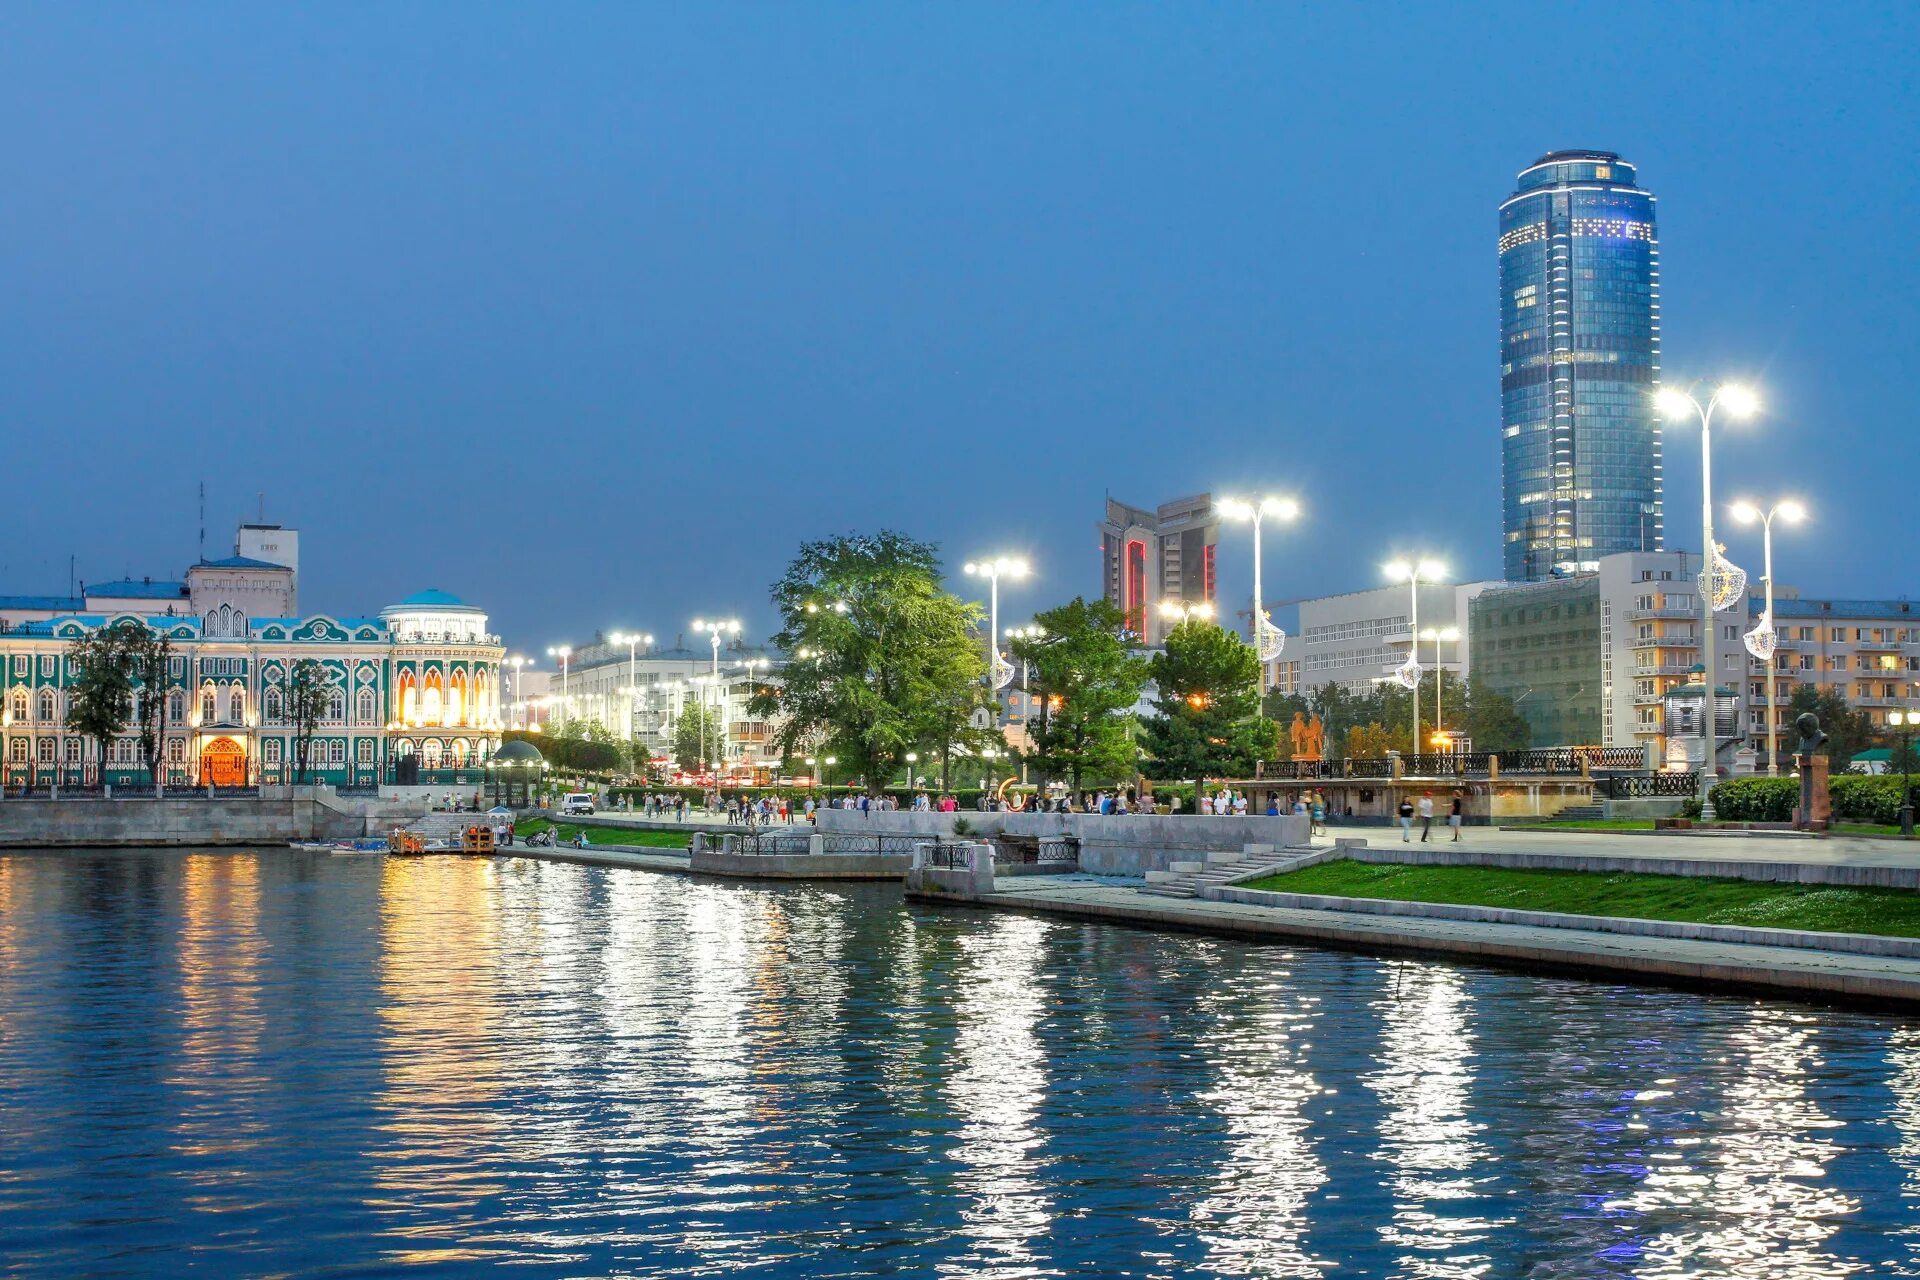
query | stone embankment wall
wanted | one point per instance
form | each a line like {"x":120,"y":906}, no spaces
{"x":1115,"y":845}
{"x":278,"y":815}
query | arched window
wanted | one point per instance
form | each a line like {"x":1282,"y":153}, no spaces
{"x":430,"y":754}
{"x":457,"y":698}
{"x":363,"y":707}
{"x":431,"y":698}
{"x":460,"y":749}
{"x":49,"y":706}
{"x":236,"y":706}
{"x":336,"y":705}
{"x":206,"y":705}
{"x":273,"y":706}
{"x":407,"y":698}
{"x":18,"y":704}
{"x":177,"y":706}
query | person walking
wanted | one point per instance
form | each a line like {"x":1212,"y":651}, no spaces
{"x":1454,"y":818}
{"x":1426,"y":815}
{"x":1406,"y":820}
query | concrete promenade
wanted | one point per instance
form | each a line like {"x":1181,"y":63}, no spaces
{"x":1813,"y":974}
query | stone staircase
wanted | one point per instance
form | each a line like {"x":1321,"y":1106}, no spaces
{"x":1580,"y":813}
{"x":1186,"y":879}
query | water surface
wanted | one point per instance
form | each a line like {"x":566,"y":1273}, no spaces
{"x":300,"y":1065}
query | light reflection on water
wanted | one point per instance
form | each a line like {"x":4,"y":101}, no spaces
{"x":284,"y":1064}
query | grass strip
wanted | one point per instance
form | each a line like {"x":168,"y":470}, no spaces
{"x":566,"y":831}
{"x":1637,"y":895}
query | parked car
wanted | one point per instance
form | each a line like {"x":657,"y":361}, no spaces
{"x":577,"y":802}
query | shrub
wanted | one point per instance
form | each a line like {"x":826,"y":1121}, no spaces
{"x":1756,"y":799}
{"x":1864,"y":798}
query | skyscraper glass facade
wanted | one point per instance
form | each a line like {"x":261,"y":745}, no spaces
{"x":1579,"y":365}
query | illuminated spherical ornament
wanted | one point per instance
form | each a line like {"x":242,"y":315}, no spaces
{"x":1762,"y":639}
{"x":1408,"y":674}
{"x":1002,"y":672}
{"x":1272,"y":640}
{"x":1725,"y":585}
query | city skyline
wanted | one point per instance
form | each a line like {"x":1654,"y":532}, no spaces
{"x":972,"y":277}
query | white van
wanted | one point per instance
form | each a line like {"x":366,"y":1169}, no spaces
{"x":577,"y":802}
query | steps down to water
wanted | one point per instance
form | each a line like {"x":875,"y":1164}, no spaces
{"x":1580,"y":813}
{"x":1186,"y":879}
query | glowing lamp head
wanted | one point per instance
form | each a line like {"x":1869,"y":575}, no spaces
{"x":1674,"y":404}
{"x":1285,"y":508}
{"x":1235,"y":508}
{"x":1744,"y":512}
{"x":1790,"y":511}
{"x":1398,"y":570}
{"x":1739,"y":401}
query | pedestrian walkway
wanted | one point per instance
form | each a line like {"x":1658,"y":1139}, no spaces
{"x":1813,"y":974}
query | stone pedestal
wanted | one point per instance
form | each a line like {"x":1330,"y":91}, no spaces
{"x":1816,"y":802}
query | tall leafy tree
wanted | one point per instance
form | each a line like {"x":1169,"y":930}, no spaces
{"x":1086,"y":678}
{"x":1207,"y":720}
{"x":1494,"y":722}
{"x":100,"y":700}
{"x":695,"y":734}
{"x":309,"y":689}
{"x":149,"y":656}
{"x":886,"y":660}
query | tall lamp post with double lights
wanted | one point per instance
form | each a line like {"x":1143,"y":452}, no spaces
{"x":1411,"y":572}
{"x":715,"y":628}
{"x":1905,"y":720}
{"x":562,"y":652}
{"x":1762,"y":640}
{"x":518,"y":662}
{"x":1438,"y":634}
{"x":1676,"y":404}
{"x":633,"y":640}
{"x":1180,"y":611}
{"x":992,"y":570}
{"x":1265,"y":635}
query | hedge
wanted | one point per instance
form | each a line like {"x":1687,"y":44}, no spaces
{"x":1856,"y":798}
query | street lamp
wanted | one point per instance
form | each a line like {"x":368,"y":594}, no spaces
{"x":1676,"y":404}
{"x":1437,"y":634}
{"x":1905,"y":721}
{"x":562,"y":652}
{"x":1762,"y":640}
{"x":1180,"y":611}
{"x":1408,"y":672}
{"x":715,"y":628}
{"x":633,"y":640}
{"x":913,"y":758}
{"x":991,"y":570}
{"x":1268,"y":640}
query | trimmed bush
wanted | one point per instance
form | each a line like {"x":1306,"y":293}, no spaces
{"x":1756,"y":799}
{"x":1864,"y":798}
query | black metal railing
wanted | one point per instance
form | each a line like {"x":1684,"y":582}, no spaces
{"x":1323,"y":770}
{"x":769,"y":842}
{"x":952,"y":855}
{"x":1648,"y":786}
{"x":1562,"y":761}
{"x":849,"y":842}
{"x":1059,"y":849}
{"x":1449,"y":764}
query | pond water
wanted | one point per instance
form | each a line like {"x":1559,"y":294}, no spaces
{"x":303,"y":1065}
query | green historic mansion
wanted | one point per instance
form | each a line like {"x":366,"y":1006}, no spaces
{"x":415,"y":690}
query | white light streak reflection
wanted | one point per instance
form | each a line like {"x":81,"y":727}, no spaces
{"x":1427,"y":1138}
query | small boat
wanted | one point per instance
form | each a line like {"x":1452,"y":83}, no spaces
{"x":338,"y":847}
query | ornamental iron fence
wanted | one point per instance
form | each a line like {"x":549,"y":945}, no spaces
{"x":1648,"y":786}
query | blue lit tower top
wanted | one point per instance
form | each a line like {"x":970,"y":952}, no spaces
{"x":1579,"y":365}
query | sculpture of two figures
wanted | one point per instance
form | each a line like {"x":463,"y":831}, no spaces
{"x":1309,"y":738}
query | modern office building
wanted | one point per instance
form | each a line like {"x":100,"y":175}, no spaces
{"x":1579,"y":366}
{"x":1357,"y":639}
{"x":1149,"y":557}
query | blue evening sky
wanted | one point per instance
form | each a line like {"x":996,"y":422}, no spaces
{"x":592,"y":313}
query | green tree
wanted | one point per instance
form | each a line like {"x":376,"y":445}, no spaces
{"x":100,"y":701}
{"x":1494,"y":722}
{"x":309,"y":690}
{"x":149,"y":655}
{"x":885,"y":659}
{"x":695,"y":734}
{"x":1368,"y":741}
{"x":1085,"y":678}
{"x":1206,"y":721}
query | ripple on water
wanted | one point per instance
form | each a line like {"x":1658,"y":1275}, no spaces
{"x":296,"y":1065}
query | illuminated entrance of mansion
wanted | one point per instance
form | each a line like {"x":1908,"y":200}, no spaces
{"x":223,"y":763}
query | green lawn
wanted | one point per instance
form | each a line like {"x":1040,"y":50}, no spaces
{"x":603,"y":835}
{"x":1698,"y":899}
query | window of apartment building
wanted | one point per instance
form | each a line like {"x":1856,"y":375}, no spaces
{"x":73,"y":751}
{"x":1836,"y":662}
{"x":1730,"y":632}
{"x":1806,"y":662}
{"x":46,"y":665}
{"x":336,"y":752}
{"x":363,"y":751}
{"x":270,"y":751}
{"x":177,"y":751}
{"x":20,"y":665}
{"x":17,"y":751}
{"x":46,"y":750}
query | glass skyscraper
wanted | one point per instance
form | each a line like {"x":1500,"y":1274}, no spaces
{"x":1579,"y":365}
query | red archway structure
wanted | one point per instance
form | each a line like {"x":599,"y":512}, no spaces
{"x":223,"y":763}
